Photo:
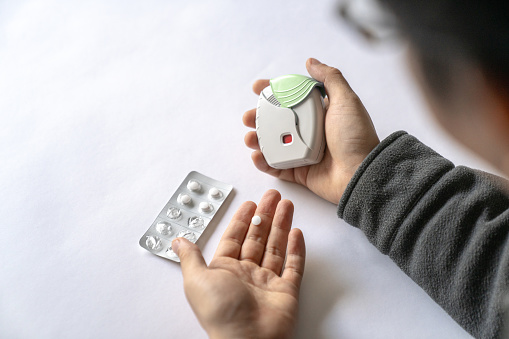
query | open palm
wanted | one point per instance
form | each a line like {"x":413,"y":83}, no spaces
{"x":248,"y":290}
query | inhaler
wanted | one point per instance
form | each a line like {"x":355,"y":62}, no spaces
{"x":290,"y":119}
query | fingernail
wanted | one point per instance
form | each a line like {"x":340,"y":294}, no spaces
{"x":175,"y":245}
{"x":314,"y":61}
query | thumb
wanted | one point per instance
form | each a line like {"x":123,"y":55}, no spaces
{"x":189,"y":254}
{"x":338,"y":89}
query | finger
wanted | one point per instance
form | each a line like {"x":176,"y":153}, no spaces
{"x":337,"y":88}
{"x":249,"y":118}
{"x":261,"y":164}
{"x":259,"y":85}
{"x":191,"y":259}
{"x":256,"y":237}
{"x":296,"y":258}
{"x":232,"y":239}
{"x":286,"y":174}
{"x":251,"y":140}
{"x":275,"y":251}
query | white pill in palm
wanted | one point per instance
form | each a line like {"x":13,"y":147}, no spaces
{"x":256,"y":220}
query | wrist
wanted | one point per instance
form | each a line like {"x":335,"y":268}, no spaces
{"x":224,"y":332}
{"x":337,"y":184}
{"x":242,"y":332}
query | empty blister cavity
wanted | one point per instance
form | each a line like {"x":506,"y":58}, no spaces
{"x":196,"y":222}
{"x":184,"y":199}
{"x":188,"y":235}
{"x":194,"y":186}
{"x":174,"y":213}
{"x":153,"y":242}
{"x":206,"y":207}
{"x":170,"y":253}
{"x":164,"y":228}
{"x":214,"y":193}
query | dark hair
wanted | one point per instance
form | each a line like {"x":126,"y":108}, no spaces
{"x":446,"y":32}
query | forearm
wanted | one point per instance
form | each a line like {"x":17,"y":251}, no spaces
{"x":445,"y":226}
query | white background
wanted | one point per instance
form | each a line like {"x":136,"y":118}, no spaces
{"x":105,"y":106}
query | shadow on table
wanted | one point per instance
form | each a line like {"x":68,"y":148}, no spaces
{"x":320,"y":291}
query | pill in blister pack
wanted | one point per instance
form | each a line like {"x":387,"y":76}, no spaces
{"x":187,"y":214}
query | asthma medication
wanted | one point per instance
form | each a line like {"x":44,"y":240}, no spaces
{"x":187,"y":214}
{"x":256,"y":220}
{"x":290,"y":121}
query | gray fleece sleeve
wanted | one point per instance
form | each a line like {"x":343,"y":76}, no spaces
{"x":446,"y":227}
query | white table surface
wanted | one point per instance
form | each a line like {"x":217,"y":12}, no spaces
{"x":105,"y":106}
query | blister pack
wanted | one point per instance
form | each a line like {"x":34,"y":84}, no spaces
{"x":187,"y":214}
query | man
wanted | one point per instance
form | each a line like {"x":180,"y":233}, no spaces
{"x":445,"y":226}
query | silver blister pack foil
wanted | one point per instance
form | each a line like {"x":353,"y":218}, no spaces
{"x":187,"y":214}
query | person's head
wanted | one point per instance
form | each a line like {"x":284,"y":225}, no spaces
{"x":459,"y":52}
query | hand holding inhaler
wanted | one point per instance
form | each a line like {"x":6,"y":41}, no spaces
{"x":349,"y":133}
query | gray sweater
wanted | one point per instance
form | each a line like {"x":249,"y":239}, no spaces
{"x":446,"y":227}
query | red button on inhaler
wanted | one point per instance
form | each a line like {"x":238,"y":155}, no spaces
{"x":287,"y":139}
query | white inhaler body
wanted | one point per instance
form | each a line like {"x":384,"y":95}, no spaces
{"x":290,"y":122}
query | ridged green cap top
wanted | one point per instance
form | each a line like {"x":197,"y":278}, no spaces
{"x":291,"y":89}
